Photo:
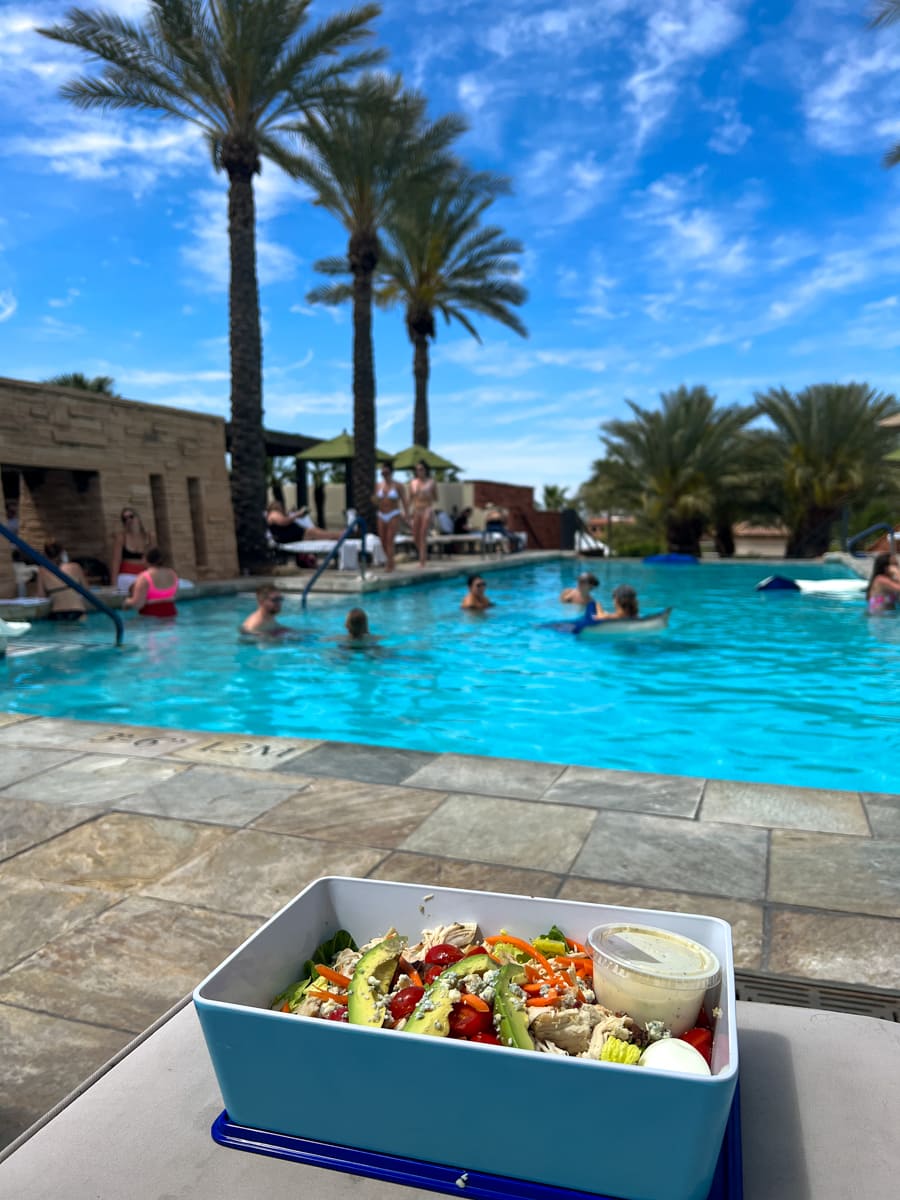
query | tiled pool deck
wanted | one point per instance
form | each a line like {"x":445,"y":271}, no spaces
{"x":132,"y":861}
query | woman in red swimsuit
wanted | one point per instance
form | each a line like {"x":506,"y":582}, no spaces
{"x":130,"y":548}
{"x":153,"y":592}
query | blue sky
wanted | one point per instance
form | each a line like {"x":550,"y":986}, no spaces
{"x":697,"y":184}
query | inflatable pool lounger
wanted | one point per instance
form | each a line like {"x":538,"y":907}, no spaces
{"x":652,"y":623}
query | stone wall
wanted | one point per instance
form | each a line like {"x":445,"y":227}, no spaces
{"x":82,"y":457}
{"x":544,"y":529}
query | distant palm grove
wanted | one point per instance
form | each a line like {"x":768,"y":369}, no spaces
{"x":263,"y":84}
{"x":810,"y":461}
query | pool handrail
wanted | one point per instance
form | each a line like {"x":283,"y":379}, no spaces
{"x":43,"y":561}
{"x":355,"y":523}
{"x":858,"y":537}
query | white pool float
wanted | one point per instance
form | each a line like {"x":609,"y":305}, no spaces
{"x":11,"y":629}
{"x":625,"y":626}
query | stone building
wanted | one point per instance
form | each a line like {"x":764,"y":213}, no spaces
{"x":74,"y":459}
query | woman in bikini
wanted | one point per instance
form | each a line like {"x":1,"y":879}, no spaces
{"x":130,"y":549}
{"x":423,"y":491}
{"x":65,"y":603}
{"x":390,"y":499}
{"x":153,"y":592}
{"x":883,"y":592}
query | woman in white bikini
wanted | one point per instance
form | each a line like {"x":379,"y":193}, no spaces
{"x":423,"y":491}
{"x":390,"y":498}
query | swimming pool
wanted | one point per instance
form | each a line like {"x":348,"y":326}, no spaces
{"x":778,"y":688}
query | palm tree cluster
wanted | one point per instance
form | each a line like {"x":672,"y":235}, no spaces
{"x":690,"y":467}
{"x":261,"y":83}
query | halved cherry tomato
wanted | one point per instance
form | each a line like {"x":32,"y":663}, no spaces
{"x":432,"y":973}
{"x":403,"y":1002}
{"x":338,"y":1014}
{"x":700,"y":1039}
{"x":487,"y":1038}
{"x":443,"y":954}
{"x":465,"y":1022}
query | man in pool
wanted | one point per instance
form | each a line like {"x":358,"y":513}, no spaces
{"x":264,"y":622}
{"x":475,"y":598}
{"x":581,"y":593}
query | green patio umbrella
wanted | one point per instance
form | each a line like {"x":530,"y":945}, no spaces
{"x":339,"y":449}
{"x":407,"y":459}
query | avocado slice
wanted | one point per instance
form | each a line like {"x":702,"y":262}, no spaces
{"x":432,"y":1014}
{"x":513,"y":1025}
{"x":371,"y":982}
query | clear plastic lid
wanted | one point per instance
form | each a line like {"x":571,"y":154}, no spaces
{"x":658,"y":956}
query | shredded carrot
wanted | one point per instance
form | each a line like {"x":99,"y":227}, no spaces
{"x":327,"y":996}
{"x":475,"y":1002}
{"x":569,"y":960}
{"x":577,"y":945}
{"x":542,"y":1001}
{"x":532,"y":988}
{"x":532,"y":972}
{"x":521,"y":944}
{"x":285,"y":1007}
{"x":332,"y":976}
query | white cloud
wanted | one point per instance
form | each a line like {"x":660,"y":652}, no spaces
{"x":63,"y":302}
{"x":154,"y":379}
{"x":731,"y":135}
{"x":8,"y":305}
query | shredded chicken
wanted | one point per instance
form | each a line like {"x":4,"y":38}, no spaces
{"x":461,"y":935}
{"x":392,"y":932}
{"x":622,"y":1028}
{"x":346,"y":961}
{"x":568,"y":1028}
{"x":549,"y":1047}
{"x":309,"y":1007}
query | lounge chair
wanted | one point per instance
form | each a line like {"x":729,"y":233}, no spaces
{"x":348,"y":554}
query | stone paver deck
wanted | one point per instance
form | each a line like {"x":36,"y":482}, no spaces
{"x":133,"y":860}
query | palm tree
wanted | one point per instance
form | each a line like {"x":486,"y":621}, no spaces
{"x":242,"y":71}
{"x":360,"y":159}
{"x":103,"y":385}
{"x":672,"y":465}
{"x":827,"y":449}
{"x":887,"y":12}
{"x":555,"y":497}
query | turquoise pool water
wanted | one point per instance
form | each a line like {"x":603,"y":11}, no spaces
{"x":780,"y":688}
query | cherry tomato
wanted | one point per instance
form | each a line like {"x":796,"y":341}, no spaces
{"x":338,"y":1014}
{"x":465,"y":1022}
{"x":432,"y":972}
{"x":700,"y":1039}
{"x":403,"y":1002}
{"x":487,"y":1038}
{"x":443,"y":955}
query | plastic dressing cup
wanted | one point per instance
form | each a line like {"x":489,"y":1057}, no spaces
{"x":651,"y":974}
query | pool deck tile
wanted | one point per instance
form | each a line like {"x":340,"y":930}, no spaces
{"x":12,"y":718}
{"x":487,"y":776}
{"x":33,"y":912}
{"x":117,"y":852}
{"x":367,"y":764}
{"x":256,"y":873}
{"x":671,"y":853}
{"x":344,"y":810}
{"x":20,"y":762}
{"x":210,"y":794}
{"x":845,"y":874}
{"x":884,"y":814}
{"x":514,"y":834}
{"x":138,"y":741}
{"x":99,"y":779}
{"x":820,"y":946}
{"x":784,"y":808}
{"x":250,"y":753}
{"x":660,"y":795}
{"x":35,"y":1075}
{"x":403,"y":867}
{"x":122,"y":968}
{"x":59,"y":733}
{"x":745,"y":919}
{"x":25,"y":823}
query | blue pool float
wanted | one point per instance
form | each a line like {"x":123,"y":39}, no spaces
{"x":672,"y":559}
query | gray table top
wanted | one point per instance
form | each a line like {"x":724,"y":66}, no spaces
{"x":820,"y":1096}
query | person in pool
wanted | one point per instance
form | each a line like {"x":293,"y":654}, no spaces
{"x":581,"y":593}
{"x":264,"y":622}
{"x":475,"y":599}
{"x":357,"y":626}
{"x":625,"y":606}
{"x":884,"y":586}
{"x":153,"y":592}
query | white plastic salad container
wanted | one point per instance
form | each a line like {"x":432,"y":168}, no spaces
{"x":625,"y":1131}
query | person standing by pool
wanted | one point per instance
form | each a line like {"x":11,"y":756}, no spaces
{"x":884,"y":586}
{"x":153,"y":592}
{"x":390,"y":499}
{"x":130,"y":548}
{"x":65,"y":603}
{"x":475,"y":599}
{"x":422,"y":489}
{"x":581,"y":593}
{"x":264,"y":622}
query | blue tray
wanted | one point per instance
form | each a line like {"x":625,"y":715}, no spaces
{"x":727,"y":1182}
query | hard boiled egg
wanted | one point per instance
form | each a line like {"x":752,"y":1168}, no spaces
{"x":672,"y":1054}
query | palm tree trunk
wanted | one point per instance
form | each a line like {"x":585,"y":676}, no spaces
{"x":421,"y":371}
{"x":363,"y":260}
{"x":811,"y":536}
{"x":248,"y":450}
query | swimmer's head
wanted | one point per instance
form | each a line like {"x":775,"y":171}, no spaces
{"x":357,"y":623}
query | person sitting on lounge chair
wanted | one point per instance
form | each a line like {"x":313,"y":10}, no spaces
{"x":295,"y":526}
